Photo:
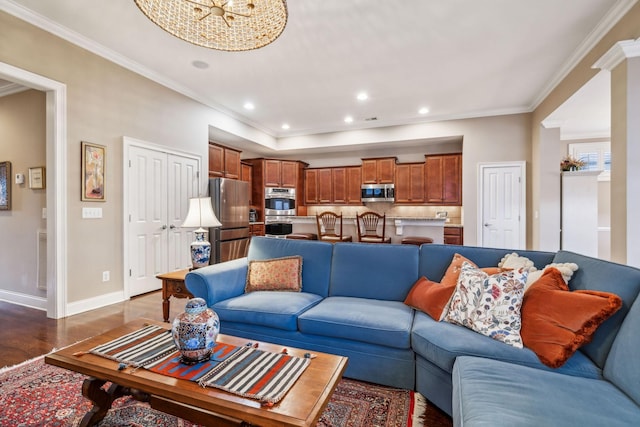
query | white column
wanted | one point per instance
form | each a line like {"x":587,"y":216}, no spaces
{"x":623,"y":61}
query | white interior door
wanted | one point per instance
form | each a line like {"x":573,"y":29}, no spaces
{"x":502,"y":206}
{"x":158,"y":189}
{"x":183,"y":184}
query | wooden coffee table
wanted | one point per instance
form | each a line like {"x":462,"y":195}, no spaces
{"x":301,"y":406}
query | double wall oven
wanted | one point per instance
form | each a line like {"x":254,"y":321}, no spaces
{"x":279,"y":208}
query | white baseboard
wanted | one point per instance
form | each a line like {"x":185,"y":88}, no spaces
{"x":77,"y":307}
{"x":30,"y":301}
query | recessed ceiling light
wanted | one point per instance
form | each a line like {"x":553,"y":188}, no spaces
{"x":362,"y":96}
{"x":200,"y":64}
{"x":423,"y":110}
{"x":348,"y":119}
{"x":249,"y":106}
{"x":285,"y":126}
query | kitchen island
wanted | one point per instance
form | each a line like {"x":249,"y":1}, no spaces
{"x":396,"y":227}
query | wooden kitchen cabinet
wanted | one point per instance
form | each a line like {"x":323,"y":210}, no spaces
{"x":256,"y":229}
{"x":409,"y":186}
{"x":354,"y":183}
{"x":443,"y":179}
{"x":339,"y":185}
{"x":280,"y":173}
{"x":224,"y":162}
{"x":325,"y":186}
{"x":378,"y":170}
{"x":246,"y":174}
{"x":311,"y":187}
{"x":453,"y":236}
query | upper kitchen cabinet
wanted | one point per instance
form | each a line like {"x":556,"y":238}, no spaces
{"x":339,"y":185}
{"x":379,"y":170}
{"x":223,"y":162}
{"x":246,"y":174}
{"x":443,"y":179}
{"x":280,"y":173}
{"x":409,"y":185}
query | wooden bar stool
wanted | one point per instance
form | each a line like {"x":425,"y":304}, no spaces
{"x":302,"y":236}
{"x":413,"y":240}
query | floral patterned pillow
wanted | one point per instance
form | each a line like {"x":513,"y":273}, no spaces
{"x":489,"y":304}
{"x":278,"y":274}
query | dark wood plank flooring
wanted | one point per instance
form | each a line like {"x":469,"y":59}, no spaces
{"x":27,"y":333}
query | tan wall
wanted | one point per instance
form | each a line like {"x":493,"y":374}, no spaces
{"x":22,"y":142}
{"x":104,"y":103}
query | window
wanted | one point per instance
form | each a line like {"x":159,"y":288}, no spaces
{"x":596,"y":155}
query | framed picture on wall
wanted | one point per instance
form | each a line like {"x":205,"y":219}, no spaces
{"x":93,"y":172}
{"x":5,"y":186}
{"x":37,"y":178}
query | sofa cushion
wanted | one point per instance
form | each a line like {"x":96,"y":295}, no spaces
{"x":623,"y":365}
{"x":556,"y":322}
{"x":493,"y":393}
{"x":273,"y":309}
{"x":316,"y":259}
{"x":441,"y":343}
{"x":375,"y":271}
{"x":599,"y":275}
{"x":386,"y":323}
{"x":489,"y":304}
{"x":277,"y":274}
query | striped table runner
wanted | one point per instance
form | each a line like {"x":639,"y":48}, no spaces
{"x":246,"y":371}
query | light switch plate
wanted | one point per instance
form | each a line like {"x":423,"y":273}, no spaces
{"x":91,"y":213}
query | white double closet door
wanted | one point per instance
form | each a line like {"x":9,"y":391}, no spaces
{"x":157,"y":189}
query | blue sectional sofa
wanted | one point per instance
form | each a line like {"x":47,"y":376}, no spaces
{"x":352,"y":304}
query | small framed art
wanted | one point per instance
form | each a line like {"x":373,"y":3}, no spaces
{"x":93,"y":172}
{"x":37,"y":178}
{"x":5,"y":186}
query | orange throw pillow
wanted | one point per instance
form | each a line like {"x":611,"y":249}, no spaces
{"x":557,"y":321}
{"x":429,"y":297}
{"x":453,"y":271}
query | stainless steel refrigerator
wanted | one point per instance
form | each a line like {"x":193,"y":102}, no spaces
{"x":230,"y":201}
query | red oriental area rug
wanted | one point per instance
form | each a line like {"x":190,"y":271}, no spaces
{"x":37,"y":394}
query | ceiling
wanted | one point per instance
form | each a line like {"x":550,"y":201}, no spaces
{"x":458,"y":58}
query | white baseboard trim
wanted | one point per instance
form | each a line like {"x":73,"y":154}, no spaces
{"x":39,"y":303}
{"x":78,"y":307}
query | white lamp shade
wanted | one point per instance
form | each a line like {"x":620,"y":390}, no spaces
{"x":201,"y":214}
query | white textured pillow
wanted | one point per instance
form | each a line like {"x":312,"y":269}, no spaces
{"x":566,"y":269}
{"x":515,"y":261}
{"x":489,"y":304}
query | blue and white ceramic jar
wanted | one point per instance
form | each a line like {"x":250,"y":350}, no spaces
{"x":195,"y":331}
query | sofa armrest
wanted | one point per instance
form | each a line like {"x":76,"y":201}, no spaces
{"x":218,"y":282}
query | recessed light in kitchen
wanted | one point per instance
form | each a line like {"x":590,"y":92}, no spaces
{"x":348,"y":119}
{"x":200,"y":64}
{"x":362,"y":96}
{"x":249,"y":106}
{"x":423,"y":110}
{"x":286,"y":126}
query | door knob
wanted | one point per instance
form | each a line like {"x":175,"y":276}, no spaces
{"x":164,"y":227}
{"x":172,"y":226}
{"x":486,"y":224}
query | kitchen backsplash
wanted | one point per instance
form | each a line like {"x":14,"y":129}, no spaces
{"x":454,"y":213}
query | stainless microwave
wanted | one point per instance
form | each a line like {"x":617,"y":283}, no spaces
{"x":377,"y":193}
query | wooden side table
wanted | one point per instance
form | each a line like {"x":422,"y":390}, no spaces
{"x":173,"y":286}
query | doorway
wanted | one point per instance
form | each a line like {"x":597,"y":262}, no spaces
{"x":158,"y":185}
{"x":56,"y":192}
{"x":502,"y":205}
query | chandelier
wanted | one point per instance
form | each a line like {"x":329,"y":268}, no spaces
{"x":231,"y":25}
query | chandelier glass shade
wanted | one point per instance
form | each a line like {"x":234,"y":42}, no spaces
{"x":230,"y":25}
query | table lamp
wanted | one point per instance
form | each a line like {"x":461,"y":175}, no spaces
{"x":200,"y":215}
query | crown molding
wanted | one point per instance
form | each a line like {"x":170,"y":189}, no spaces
{"x":618,"y":53}
{"x":604,"y":26}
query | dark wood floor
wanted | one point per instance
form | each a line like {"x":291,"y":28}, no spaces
{"x":27,"y":333}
